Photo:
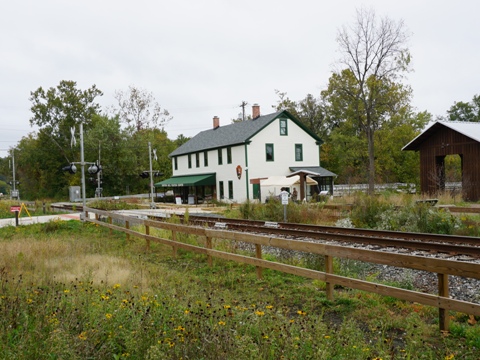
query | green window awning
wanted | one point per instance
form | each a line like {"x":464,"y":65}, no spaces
{"x":188,"y":180}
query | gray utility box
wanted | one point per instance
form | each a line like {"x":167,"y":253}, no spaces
{"x":75,"y":193}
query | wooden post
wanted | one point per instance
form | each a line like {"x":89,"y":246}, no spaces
{"x":110,"y":222}
{"x":329,"y":270}
{"x":258,"y":254}
{"x":127,"y":226}
{"x":444,"y":319}
{"x":209,"y":246}
{"x":174,"y":238}
{"x":147,"y":232}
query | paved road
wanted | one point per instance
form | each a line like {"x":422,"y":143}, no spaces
{"x":25,"y":220}
{"x":39,"y":219}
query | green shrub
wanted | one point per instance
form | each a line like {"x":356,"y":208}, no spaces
{"x":367,"y":211}
{"x":419,"y":218}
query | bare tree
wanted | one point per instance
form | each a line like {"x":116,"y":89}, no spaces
{"x":138,"y":109}
{"x":374,"y":53}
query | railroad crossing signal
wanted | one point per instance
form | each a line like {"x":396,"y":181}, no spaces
{"x":72,"y":169}
{"x":94,"y":169}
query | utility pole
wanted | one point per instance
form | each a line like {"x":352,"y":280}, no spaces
{"x":242,"y":105}
{"x":14,"y":193}
{"x":99,"y":179}
{"x":82,"y":163}
{"x":152,"y":204}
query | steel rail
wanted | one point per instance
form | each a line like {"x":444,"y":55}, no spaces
{"x":447,"y":244}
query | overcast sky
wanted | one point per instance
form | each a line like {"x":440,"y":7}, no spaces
{"x":201,"y":59}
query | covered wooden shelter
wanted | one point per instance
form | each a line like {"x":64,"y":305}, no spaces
{"x":444,"y":138}
{"x":323,"y":177}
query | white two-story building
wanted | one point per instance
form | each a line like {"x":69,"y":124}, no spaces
{"x":230,"y":162}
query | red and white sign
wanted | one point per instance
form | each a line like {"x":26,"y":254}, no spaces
{"x":15,"y":208}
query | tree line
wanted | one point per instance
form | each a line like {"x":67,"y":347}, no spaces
{"x":118,"y":140}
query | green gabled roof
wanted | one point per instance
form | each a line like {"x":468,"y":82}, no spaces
{"x":234,"y":134}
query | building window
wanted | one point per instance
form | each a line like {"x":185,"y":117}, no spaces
{"x":220,"y":159}
{"x":205,"y":158}
{"x":175,"y":162}
{"x":220,"y":190}
{"x":230,"y":189}
{"x":269,"y":152}
{"x":283,"y":127}
{"x":298,"y":152}
{"x":229,"y":155}
{"x":189,"y":161}
{"x":197,"y":160}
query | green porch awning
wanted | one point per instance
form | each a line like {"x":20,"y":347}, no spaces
{"x":188,"y":180}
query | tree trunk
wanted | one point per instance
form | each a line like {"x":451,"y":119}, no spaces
{"x":371,"y":161}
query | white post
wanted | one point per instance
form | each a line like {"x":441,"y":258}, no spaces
{"x":14,"y":192}
{"x":99,"y":186}
{"x":152,"y":204}
{"x":82,"y":163}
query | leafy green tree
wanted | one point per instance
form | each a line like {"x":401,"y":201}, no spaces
{"x":310,"y":111}
{"x":392,"y":164}
{"x":40,"y":158}
{"x":462,"y":111}
{"x":374,"y":57}
{"x":180,"y":140}
{"x":57,"y":110}
{"x":106,"y":142}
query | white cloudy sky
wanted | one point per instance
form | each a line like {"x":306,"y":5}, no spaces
{"x":203,"y":58}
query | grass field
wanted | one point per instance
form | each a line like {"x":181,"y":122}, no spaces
{"x":71,"y":290}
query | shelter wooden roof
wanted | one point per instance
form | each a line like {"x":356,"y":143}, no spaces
{"x":469,"y":129}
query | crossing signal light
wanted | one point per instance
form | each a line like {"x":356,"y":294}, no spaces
{"x":158,"y":173}
{"x":72,"y":169}
{"x":94,"y":169}
{"x":144,"y":175}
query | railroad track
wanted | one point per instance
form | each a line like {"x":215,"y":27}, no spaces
{"x":450,"y":245}
{"x":414,"y":242}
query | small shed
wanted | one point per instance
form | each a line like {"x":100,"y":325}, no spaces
{"x":444,"y":138}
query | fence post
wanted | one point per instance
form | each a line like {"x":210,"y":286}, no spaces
{"x":443,"y":317}
{"x":110,"y":222}
{"x":258,"y":254}
{"x":209,"y":246}
{"x":127,"y":226}
{"x":174,"y":238}
{"x":147,"y":232}
{"x":329,"y":270}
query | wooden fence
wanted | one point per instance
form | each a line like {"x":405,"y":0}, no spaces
{"x":443,"y":268}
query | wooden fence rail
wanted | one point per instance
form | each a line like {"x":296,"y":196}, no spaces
{"x":443,"y":268}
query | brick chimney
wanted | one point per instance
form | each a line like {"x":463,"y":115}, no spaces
{"x":216,"y":122}
{"x":255,"y":111}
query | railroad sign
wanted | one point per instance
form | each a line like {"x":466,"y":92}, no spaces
{"x":15,"y":208}
{"x":284,"y":195}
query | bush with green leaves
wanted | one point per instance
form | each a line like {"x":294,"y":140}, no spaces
{"x":421,"y":218}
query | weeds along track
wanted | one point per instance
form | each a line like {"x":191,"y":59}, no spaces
{"x":451,"y":247}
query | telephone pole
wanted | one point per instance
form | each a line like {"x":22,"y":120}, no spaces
{"x":242,"y":105}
